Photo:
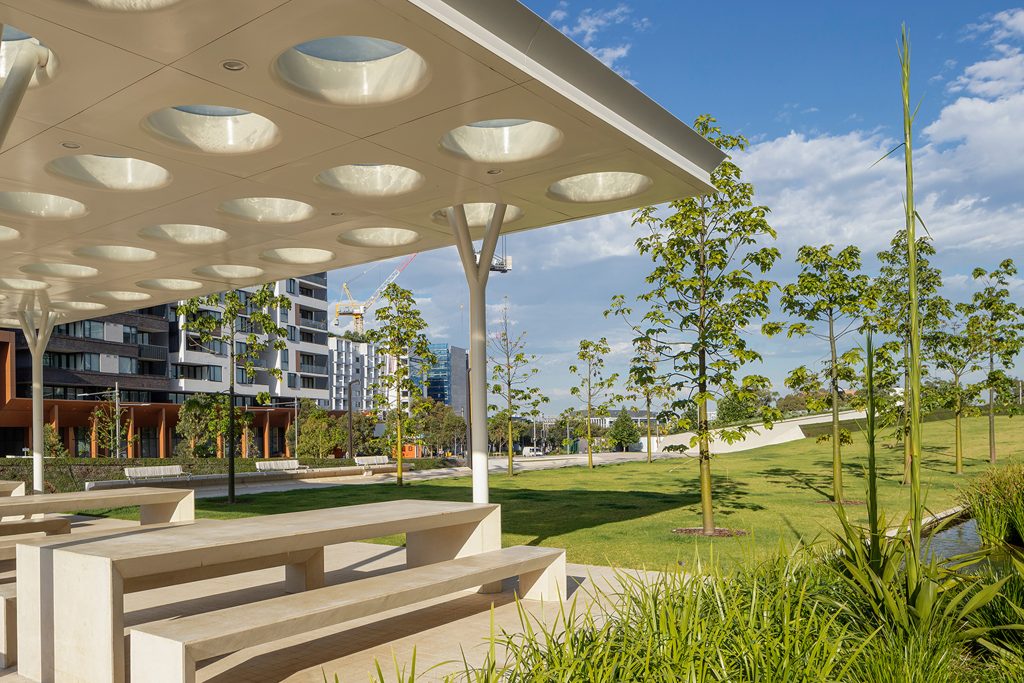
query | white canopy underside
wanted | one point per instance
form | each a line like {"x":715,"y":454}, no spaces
{"x":111,"y":199}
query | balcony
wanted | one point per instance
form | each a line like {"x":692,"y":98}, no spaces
{"x":152,"y":352}
{"x":310,"y":369}
{"x":315,"y":278}
{"x":313,"y":324}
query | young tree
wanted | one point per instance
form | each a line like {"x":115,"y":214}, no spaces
{"x":644,"y":382}
{"x":893,"y":319}
{"x":957,"y":347}
{"x":570,"y":424}
{"x":623,"y":433}
{"x":594,"y":390}
{"x":202,"y":419}
{"x":53,"y":445}
{"x":706,"y":289}
{"x":244,"y":322}
{"x":363,"y":427}
{"x":319,"y":433}
{"x":735,"y":408}
{"x":1002,"y":329}
{"x":442,"y":428}
{"x":831,"y":291}
{"x":111,"y":423}
{"x":400,"y":336}
{"x":504,"y":432}
{"x":511,"y":374}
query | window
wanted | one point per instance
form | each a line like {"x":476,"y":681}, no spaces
{"x":72,"y":361}
{"x":211,"y":373}
{"x":83,"y":329}
{"x":131,"y":335}
{"x":292,"y":333}
{"x":291,"y":286}
{"x":127,"y":365}
{"x":242,"y":377}
{"x":284,"y":359}
{"x":217,"y":347}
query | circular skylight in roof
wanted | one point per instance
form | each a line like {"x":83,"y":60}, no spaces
{"x":600,"y":187}
{"x":111,"y":172}
{"x":213,"y":128}
{"x":479,"y":214}
{"x":353,"y":70}
{"x":229,"y":272}
{"x":117,"y":253}
{"x":298,"y":256}
{"x":78,"y":306}
{"x":379,"y":237}
{"x":268,"y":209}
{"x":7,"y":234}
{"x":14,"y":42}
{"x":61,"y":270}
{"x":40,"y":205}
{"x":372,"y":180}
{"x":185,"y":234}
{"x":497,"y":141}
{"x":131,"y":5}
{"x":121,"y":296}
{"x":22,"y":285}
{"x":169,"y":284}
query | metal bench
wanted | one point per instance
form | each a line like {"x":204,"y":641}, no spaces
{"x":279,"y":466}
{"x":135,"y":474}
{"x":167,"y":651}
{"x":368,"y":462}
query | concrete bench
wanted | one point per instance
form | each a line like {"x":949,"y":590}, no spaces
{"x":45,"y":525}
{"x":155,"y":472}
{"x":368,"y":462}
{"x":167,"y":651}
{"x":279,"y":466}
{"x":8,"y":625}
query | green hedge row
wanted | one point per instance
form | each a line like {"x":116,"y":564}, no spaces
{"x":70,"y":474}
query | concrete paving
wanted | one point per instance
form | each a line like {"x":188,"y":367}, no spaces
{"x":439,"y":632}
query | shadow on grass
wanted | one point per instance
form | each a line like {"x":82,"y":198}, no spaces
{"x":535,"y":513}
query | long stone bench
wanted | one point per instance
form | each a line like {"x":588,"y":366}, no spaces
{"x":279,"y":466}
{"x":135,"y":474}
{"x":167,"y":651}
{"x":368,"y":462}
{"x":8,"y":625}
{"x":45,"y":525}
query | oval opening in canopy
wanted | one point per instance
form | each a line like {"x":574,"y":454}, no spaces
{"x":498,"y":141}
{"x":478,"y":214}
{"x":111,"y":172}
{"x":379,"y":237}
{"x":131,"y":5}
{"x":298,"y":256}
{"x":372,"y":180}
{"x":185,"y":234}
{"x":40,"y":205}
{"x":213,"y":128}
{"x":600,"y":187}
{"x":353,"y":70}
{"x":268,"y":209}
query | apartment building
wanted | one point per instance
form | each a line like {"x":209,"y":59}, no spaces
{"x":448,"y":377}
{"x":358,"y":363}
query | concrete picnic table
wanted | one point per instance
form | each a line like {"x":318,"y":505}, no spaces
{"x":81,"y":586}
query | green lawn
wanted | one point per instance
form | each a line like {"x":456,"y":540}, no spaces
{"x":623,"y":515}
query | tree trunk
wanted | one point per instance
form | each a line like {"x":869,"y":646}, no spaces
{"x":905,"y":422}
{"x":706,"y":509}
{"x":837,"y":456}
{"x":991,"y":411}
{"x":510,"y":472}
{"x":398,"y":435}
{"x":590,"y":449}
{"x":958,"y":437}
{"x":650,"y":456}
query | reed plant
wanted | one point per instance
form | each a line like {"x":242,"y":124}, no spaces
{"x":996,"y":501}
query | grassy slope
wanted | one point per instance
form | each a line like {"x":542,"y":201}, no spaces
{"x":622,"y":515}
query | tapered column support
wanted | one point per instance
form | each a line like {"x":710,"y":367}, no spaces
{"x":477,"y":273}
{"x":37,"y":325}
{"x":28,"y":59}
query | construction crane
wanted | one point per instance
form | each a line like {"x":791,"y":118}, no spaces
{"x":358,"y":309}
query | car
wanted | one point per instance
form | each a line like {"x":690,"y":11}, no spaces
{"x":532,"y":450}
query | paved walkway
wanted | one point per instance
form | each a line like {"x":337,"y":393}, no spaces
{"x":440,"y":631}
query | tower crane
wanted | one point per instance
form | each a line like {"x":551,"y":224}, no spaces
{"x":358,"y":309}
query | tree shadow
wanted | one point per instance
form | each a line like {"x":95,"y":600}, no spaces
{"x":798,"y":479}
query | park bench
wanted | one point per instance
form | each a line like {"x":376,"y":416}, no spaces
{"x":135,"y":474}
{"x":368,"y":462}
{"x":167,"y":651}
{"x":279,"y":466}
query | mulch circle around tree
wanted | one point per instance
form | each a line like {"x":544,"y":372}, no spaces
{"x":845,"y":502}
{"x":717,"y":533}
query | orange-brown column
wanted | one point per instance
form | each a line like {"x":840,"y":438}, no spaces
{"x":131,"y":433}
{"x":266,"y":435}
{"x":162,"y":448}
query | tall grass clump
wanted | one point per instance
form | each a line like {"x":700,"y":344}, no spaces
{"x":996,"y":501}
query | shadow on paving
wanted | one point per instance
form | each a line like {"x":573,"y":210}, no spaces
{"x":538,"y":514}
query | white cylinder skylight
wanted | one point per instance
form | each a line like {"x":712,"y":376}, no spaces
{"x":169,"y":284}
{"x":600,"y":187}
{"x":131,"y":5}
{"x":71,"y":271}
{"x":116,"y":253}
{"x":7,"y":234}
{"x":372,"y":180}
{"x":40,"y":205}
{"x":185,"y":234}
{"x":268,"y":209}
{"x":498,"y":141}
{"x":353,"y":70}
{"x":121,"y":295}
{"x":379,"y":237}
{"x":297,"y":256}
{"x":22,"y":284}
{"x":213,"y":128}
{"x":478,"y":214}
{"x":78,"y":306}
{"x":13,"y":42}
{"x":229,"y":272}
{"x":111,"y":172}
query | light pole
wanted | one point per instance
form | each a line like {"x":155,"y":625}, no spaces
{"x":351,"y":452}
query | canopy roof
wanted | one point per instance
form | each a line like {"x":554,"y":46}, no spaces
{"x":176,"y":147}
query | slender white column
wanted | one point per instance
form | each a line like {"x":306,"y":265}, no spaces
{"x":28,"y":59}
{"x":37,"y":325}
{"x":477,"y":273}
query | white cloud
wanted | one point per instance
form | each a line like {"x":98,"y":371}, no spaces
{"x":610,"y":55}
{"x":995,"y":77}
{"x":590,"y":22}
{"x":1008,"y":24}
{"x":590,"y":25}
{"x":591,"y":239}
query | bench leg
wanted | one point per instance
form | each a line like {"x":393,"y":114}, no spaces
{"x":307,"y":575}
{"x":547,"y":584}
{"x":450,"y":542}
{"x":182,"y":511}
{"x":9,"y":636}
{"x":159,"y":660}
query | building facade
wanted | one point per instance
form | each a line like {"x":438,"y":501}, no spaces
{"x":448,"y":377}
{"x":358,"y":363}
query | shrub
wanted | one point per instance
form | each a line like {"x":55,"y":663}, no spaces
{"x":996,"y":500}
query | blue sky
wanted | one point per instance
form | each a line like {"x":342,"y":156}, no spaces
{"x":814,"y":86}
